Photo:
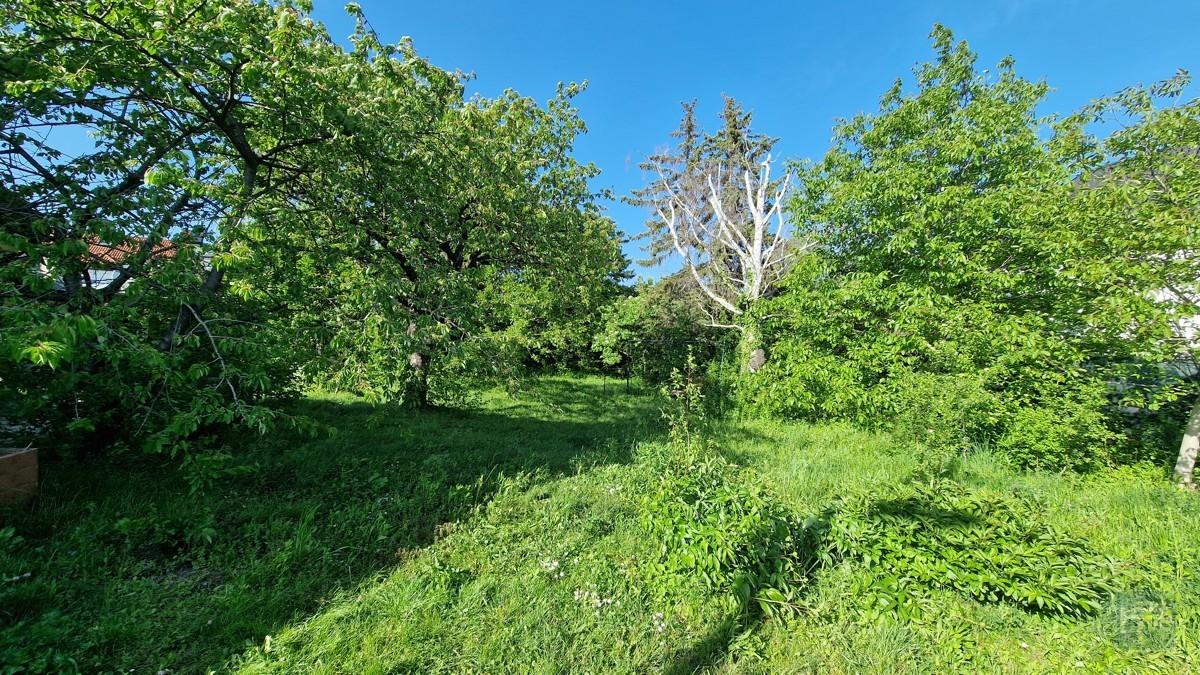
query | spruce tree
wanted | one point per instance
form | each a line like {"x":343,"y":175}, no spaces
{"x":673,"y":169}
{"x":685,"y":168}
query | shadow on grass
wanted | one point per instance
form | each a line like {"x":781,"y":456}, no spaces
{"x":129,"y":570}
{"x":707,"y":651}
{"x":924,"y":512}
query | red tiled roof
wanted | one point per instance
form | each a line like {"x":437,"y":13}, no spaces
{"x":115,"y":254}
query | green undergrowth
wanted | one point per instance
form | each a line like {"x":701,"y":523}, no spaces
{"x":1122,"y":537}
{"x":914,"y":538}
{"x":571,"y":531}
{"x":117,"y":565}
{"x":714,"y":522}
{"x":548,"y":578}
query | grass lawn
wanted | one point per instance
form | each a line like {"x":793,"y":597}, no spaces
{"x":509,"y":539}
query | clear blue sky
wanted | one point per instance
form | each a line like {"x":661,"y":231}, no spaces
{"x":797,"y":65}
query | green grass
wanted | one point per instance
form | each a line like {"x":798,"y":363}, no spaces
{"x":1132,"y":515}
{"x":508,"y":539}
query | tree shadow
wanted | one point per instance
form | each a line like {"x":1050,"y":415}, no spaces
{"x":317,"y":518}
{"x":923,"y":512}
{"x":707,"y":651}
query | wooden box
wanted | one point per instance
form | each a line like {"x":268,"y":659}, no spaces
{"x":18,"y":474}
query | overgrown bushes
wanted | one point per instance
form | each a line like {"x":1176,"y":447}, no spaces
{"x":916,"y":538}
{"x":987,"y":275}
{"x":907,"y":541}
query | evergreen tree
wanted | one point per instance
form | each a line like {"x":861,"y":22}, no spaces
{"x":699,"y":165}
{"x":675,"y":169}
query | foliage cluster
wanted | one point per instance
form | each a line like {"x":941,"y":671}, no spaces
{"x":719,"y":522}
{"x":1018,"y":263}
{"x":991,"y":547}
{"x":651,"y":331}
{"x":208,"y":206}
{"x":715,"y":521}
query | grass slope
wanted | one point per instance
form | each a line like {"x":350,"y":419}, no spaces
{"x":507,"y":539}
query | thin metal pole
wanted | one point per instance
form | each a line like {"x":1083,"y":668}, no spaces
{"x":628,"y":361}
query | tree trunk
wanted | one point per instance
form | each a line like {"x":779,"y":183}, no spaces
{"x":1187,"y":449}
{"x":420,"y":386}
{"x":419,"y":363}
{"x":751,"y":355}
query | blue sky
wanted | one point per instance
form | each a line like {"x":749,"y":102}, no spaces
{"x":797,"y":65}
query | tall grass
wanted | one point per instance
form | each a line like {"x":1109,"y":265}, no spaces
{"x":507,"y":539}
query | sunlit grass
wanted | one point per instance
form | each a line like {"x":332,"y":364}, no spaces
{"x":507,"y":538}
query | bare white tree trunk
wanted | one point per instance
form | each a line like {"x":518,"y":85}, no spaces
{"x":1186,"y":463}
{"x":758,"y":242}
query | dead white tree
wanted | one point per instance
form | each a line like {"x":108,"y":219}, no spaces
{"x":1185,"y":465}
{"x":735,"y":258}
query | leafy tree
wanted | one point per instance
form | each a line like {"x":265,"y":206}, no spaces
{"x":282,"y":206}
{"x":157,"y":129}
{"x":653,"y":330}
{"x":1141,"y":218}
{"x":455,"y":247}
{"x":959,"y":239}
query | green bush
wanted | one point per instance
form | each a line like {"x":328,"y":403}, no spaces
{"x":715,"y":520}
{"x":653,"y":331}
{"x":942,"y":416}
{"x":1060,"y":433}
{"x":914,"y":539}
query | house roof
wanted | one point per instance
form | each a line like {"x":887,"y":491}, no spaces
{"x":102,"y":254}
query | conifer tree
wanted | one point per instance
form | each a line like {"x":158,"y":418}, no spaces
{"x":712,"y":204}
{"x":676,"y":168}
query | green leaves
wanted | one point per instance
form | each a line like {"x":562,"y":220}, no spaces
{"x":991,"y":547}
{"x":358,"y":208}
{"x":713,"y":520}
{"x":446,"y":233}
{"x":46,"y":353}
{"x":965,"y":237}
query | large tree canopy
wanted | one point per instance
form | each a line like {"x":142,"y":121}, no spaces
{"x":459,"y":242}
{"x":966,"y":238}
{"x":355,"y":205}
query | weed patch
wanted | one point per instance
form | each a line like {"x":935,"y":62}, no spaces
{"x":715,"y":520}
{"x":987,"y":546}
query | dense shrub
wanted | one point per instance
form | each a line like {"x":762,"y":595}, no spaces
{"x":716,"y":520}
{"x":651,"y":332}
{"x":943,"y":416}
{"x":1015,"y":263}
{"x":1061,"y":433}
{"x":916,"y":538}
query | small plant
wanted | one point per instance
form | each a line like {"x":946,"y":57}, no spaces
{"x":683,"y":388}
